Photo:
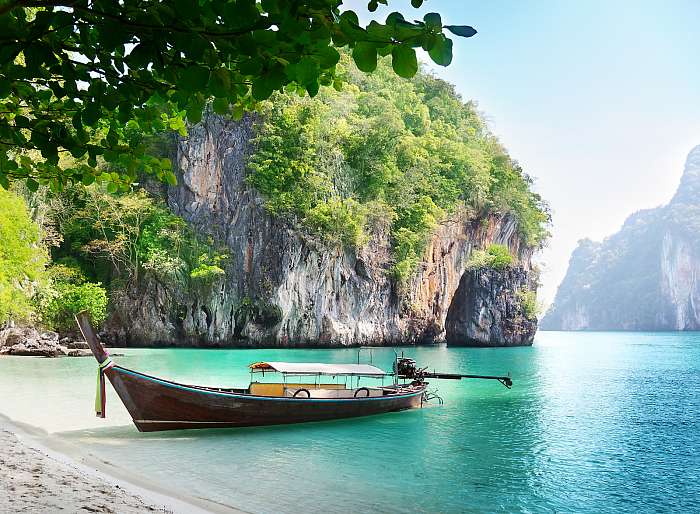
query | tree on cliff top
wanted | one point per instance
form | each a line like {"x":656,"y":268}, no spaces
{"x":93,"y":78}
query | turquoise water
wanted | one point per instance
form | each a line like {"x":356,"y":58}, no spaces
{"x":595,"y":422}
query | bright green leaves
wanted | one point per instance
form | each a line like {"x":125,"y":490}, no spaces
{"x":22,"y":257}
{"x":403,"y":61}
{"x":365,"y":56}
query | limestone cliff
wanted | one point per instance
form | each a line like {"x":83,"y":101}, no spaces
{"x":645,"y":277}
{"x":284,"y":288}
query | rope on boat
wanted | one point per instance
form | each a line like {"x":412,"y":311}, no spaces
{"x":100,"y":397}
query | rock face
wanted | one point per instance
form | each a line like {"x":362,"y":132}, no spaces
{"x":645,"y":277}
{"x":487,"y":309}
{"x":30,"y":342}
{"x":282,"y":287}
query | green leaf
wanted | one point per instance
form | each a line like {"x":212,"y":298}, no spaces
{"x":433,"y":21}
{"x":194,"y":109}
{"x":194,"y":78}
{"x":306,"y":71}
{"x":416,"y":3}
{"x":379,"y":31}
{"x":262,"y":88}
{"x":428,"y":42}
{"x":270,"y":6}
{"x":328,"y":57}
{"x":91,"y":114}
{"x":220,"y":82}
{"x":87,"y":179}
{"x":4,"y":87}
{"x":404,"y":61}
{"x":461,"y":30}
{"x":4,"y":182}
{"x":365,"y":56}
{"x":32,"y":185}
{"x":220,"y":105}
{"x":441,"y":52}
{"x":312,"y":89}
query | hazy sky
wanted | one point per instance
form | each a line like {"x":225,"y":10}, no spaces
{"x":598,"y":100}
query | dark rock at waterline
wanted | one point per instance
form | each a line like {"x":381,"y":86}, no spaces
{"x":487,"y":309}
{"x":28,"y":341}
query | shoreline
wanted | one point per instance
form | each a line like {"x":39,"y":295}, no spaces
{"x":43,"y":473}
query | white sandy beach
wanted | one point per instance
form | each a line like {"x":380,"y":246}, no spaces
{"x":37,"y":479}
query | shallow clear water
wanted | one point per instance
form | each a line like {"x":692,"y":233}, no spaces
{"x":595,"y":422}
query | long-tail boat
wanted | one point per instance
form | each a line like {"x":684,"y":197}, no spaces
{"x":158,"y":404}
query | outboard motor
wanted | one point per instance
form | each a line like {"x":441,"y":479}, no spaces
{"x":406,"y":368}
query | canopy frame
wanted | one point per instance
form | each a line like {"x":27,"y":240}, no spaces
{"x":318,"y":369}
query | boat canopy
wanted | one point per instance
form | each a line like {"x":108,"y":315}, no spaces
{"x":318,"y":368}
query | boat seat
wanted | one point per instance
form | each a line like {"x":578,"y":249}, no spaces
{"x":332,"y":393}
{"x":271,"y":389}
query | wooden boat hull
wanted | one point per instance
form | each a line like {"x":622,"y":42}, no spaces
{"x":156,"y":404}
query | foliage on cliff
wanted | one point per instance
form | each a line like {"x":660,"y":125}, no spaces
{"x":494,"y":257}
{"x":87,"y":243}
{"x":406,"y":151}
{"x":115,"y":238}
{"x":22,"y":258}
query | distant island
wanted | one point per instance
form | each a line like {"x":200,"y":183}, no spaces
{"x":644,"y":277}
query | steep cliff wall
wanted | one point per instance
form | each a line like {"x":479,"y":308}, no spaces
{"x":645,"y":277}
{"x":282,"y":286}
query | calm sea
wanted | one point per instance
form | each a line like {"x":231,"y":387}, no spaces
{"x":595,"y":422}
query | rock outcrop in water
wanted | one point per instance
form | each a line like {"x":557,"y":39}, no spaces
{"x":487,"y":309}
{"x":283,"y":288}
{"x":645,"y":277}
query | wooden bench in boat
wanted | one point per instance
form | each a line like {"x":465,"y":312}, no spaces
{"x":321,"y":392}
{"x":277,"y":389}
